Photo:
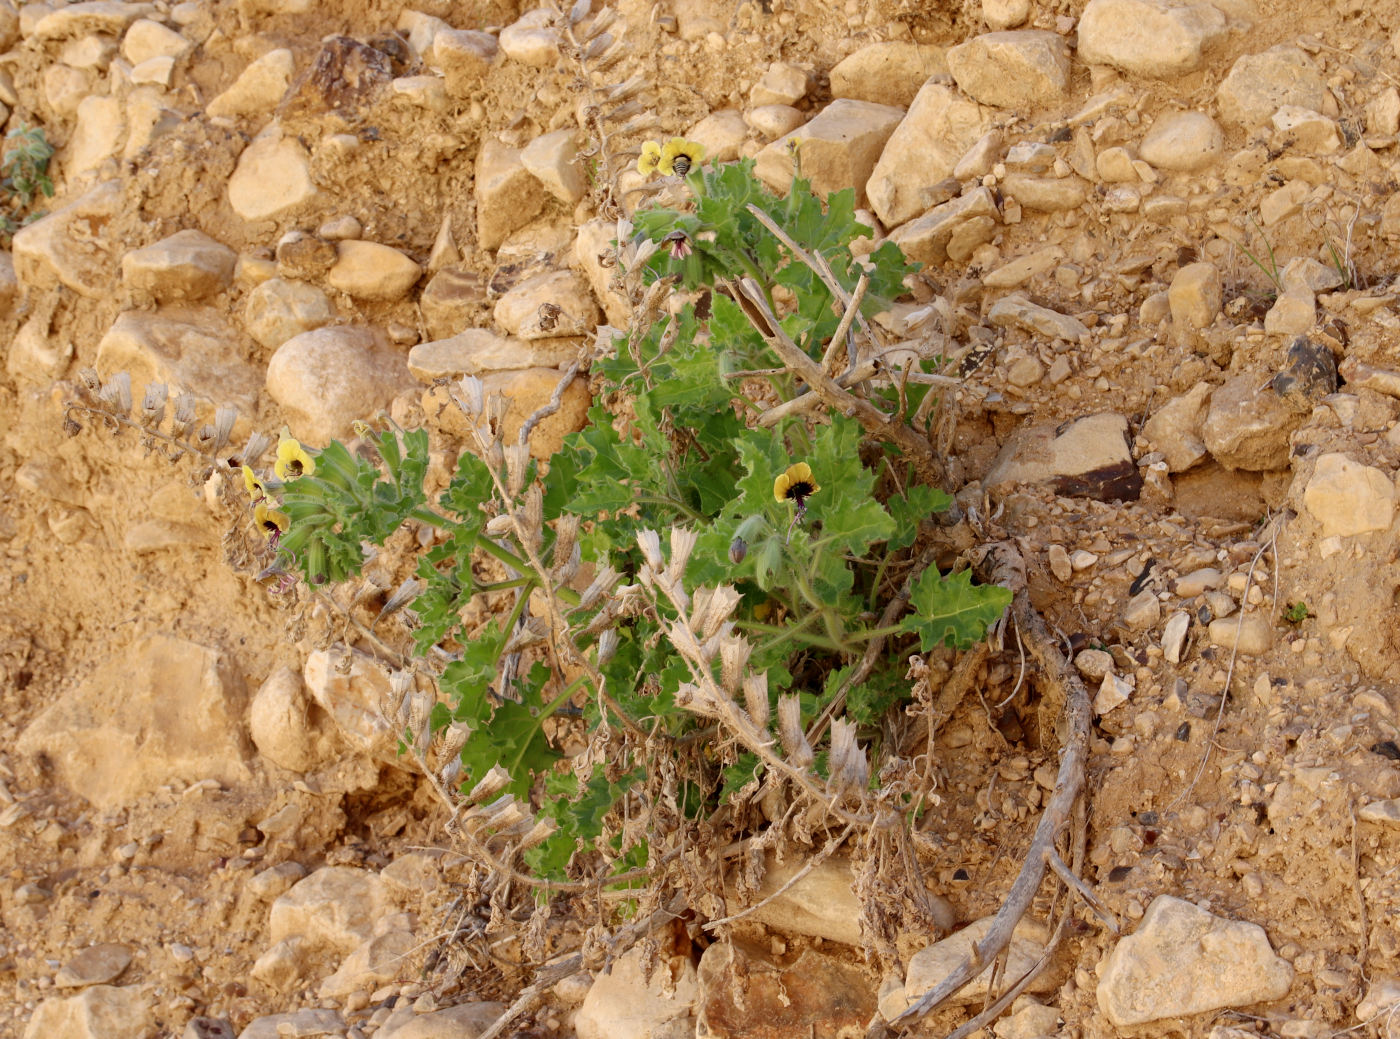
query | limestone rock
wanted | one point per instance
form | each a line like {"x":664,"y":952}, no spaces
{"x":1382,"y":994}
{"x":368,"y":270}
{"x":351,"y":697}
{"x":527,"y":390}
{"x":1022,"y":269}
{"x":1023,"y":68}
{"x":279,"y":309}
{"x":177,"y":720}
{"x":773,"y":121}
{"x":98,"y":136}
{"x":156,"y":71}
{"x":464,"y":56}
{"x":624,"y":1004}
{"x":1046,"y":194}
{"x":1005,"y":14}
{"x":556,"y":303}
{"x":1183,"y":960}
{"x":146,"y":39}
{"x":313,"y":1022}
{"x":1248,"y":424}
{"x":1348,"y":498}
{"x":1016,"y":311}
{"x":838,"y":148}
{"x":1088,"y":457}
{"x":821,"y":904}
{"x":88,"y":18}
{"x":36,"y":355}
{"x":273,"y":176}
{"x":531,"y":40}
{"x":1282,"y":203}
{"x":147,"y":118}
{"x":374,"y":962}
{"x":258,"y":87}
{"x":1185,"y":141}
{"x":191,"y":348}
{"x":1303,"y":273}
{"x":287,"y":728}
{"x":1175,"y":429}
{"x":1194,"y":298}
{"x":188,"y":265}
{"x":978,"y":160}
{"x":1115,"y":166}
{"x":932,"y":964}
{"x":275,"y":880}
{"x":1383,"y":112}
{"x":428,"y":92}
{"x":887,"y":73}
{"x":1149,"y":37}
{"x":1293,"y":313}
{"x":335,"y":908}
{"x":283,"y":964}
{"x":922,"y":152}
{"x":595,"y":240}
{"x":721,"y":134}
{"x":419,"y":29}
{"x":1307,"y":131}
{"x":746,"y":994}
{"x":1259,"y":84}
{"x":449,"y":300}
{"x":553,"y":159}
{"x":466,"y":1021}
{"x":950,"y":231}
{"x":327,"y":378}
{"x":507,"y":194}
{"x":1248,"y":634}
{"x":100,"y":1012}
{"x":66,"y":246}
{"x":477,"y":351}
{"x":95,"y":965}
{"x":781,"y":84}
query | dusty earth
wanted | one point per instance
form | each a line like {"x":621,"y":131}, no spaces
{"x":1254,"y":807}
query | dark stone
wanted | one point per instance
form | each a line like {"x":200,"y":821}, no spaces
{"x":1311,"y":375}
{"x":346,"y":77}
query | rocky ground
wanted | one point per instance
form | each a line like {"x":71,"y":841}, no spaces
{"x":1158,"y":243}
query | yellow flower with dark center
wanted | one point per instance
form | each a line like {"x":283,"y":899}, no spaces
{"x":255,"y":487}
{"x":679,"y":157}
{"x":796,"y":484}
{"x":292,"y":460}
{"x":272,"y":522}
{"x":650,"y":159}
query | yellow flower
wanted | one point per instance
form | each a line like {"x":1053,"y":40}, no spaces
{"x":255,"y":487}
{"x":272,"y":522}
{"x":680,"y":156}
{"x":292,"y":460}
{"x":796,"y":484}
{"x":650,"y":158}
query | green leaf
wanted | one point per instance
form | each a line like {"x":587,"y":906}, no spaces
{"x":910,"y":509}
{"x":952,"y":611}
{"x":852,"y":520}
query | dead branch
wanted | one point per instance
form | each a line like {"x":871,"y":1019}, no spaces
{"x":552,"y":973}
{"x":917,"y":448}
{"x":1003,"y":565}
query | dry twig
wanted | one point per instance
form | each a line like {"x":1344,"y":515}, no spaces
{"x":1003,"y":565}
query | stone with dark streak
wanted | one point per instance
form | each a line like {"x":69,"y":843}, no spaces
{"x":1084,"y":458}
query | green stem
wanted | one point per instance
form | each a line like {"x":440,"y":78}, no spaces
{"x":788,"y":634}
{"x":674,"y":503}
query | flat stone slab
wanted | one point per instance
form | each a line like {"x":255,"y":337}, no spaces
{"x":1184,"y":960}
